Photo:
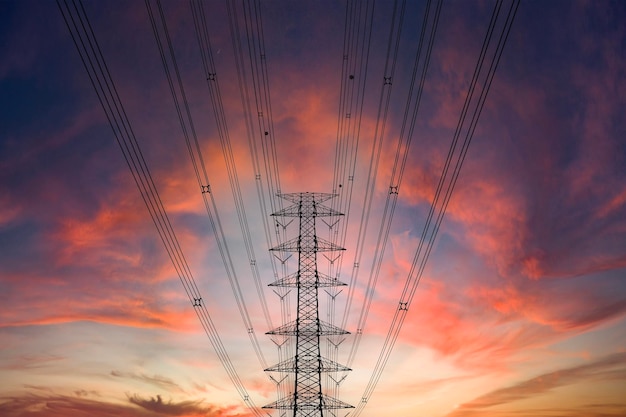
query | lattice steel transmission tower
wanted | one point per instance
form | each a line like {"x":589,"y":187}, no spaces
{"x":307,"y":398}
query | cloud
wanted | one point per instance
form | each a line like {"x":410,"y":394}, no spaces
{"x":541,"y":193}
{"x":32,"y":361}
{"x":183,"y":408}
{"x":156,"y":380}
{"x":586,"y":410}
{"x":125,"y":309}
{"x":611,"y":367}
{"x":540,"y":200}
{"x":86,"y":393}
{"x":475,"y":318}
{"x":29,"y":405}
{"x":585,"y":302}
{"x":113,"y":242}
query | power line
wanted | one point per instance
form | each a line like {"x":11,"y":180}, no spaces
{"x":103,"y":84}
{"x":403,"y":146}
{"x":93,"y":60}
{"x":254,"y":90}
{"x":379,"y":130}
{"x":439,"y":206}
{"x":187,"y":126}
{"x":354,"y":75}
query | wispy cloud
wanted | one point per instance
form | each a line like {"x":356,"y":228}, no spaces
{"x":611,"y":367}
{"x":156,"y":380}
{"x":64,"y":406}
{"x":31,"y":361}
{"x":52,"y":405}
{"x":183,"y":408}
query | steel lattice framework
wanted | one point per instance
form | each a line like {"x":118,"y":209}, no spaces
{"x":307,"y":398}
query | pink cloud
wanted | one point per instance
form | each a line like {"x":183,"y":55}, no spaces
{"x":486,"y":321}
{"x":121,"y":313}
{"x":524,"y":211}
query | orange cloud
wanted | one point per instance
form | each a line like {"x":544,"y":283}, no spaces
{"x":53,"y":405}
{"x":120,"y":313}
{"x":610,"y":367}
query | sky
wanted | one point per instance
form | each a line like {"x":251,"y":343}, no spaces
{"x":520,"y":310}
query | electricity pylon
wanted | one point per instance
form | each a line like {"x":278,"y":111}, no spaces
{"x":307,"y":398}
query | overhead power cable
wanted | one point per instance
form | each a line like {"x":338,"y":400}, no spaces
{"x":254,"y":91}
{"x":213,"y":84}
{"x":386,"y":84}
{"x":403,"y":146}
{"x":181,"y":103}
{"x":354,"y":75}
{"x":93,"y":60}
{"x":446,"y":184}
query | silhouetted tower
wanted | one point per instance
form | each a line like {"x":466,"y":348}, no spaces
{"x":308,"y":364}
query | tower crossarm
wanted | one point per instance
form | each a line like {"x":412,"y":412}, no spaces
{"x":322,"y":280}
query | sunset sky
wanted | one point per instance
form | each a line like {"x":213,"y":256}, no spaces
{"x":520,"y":310}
